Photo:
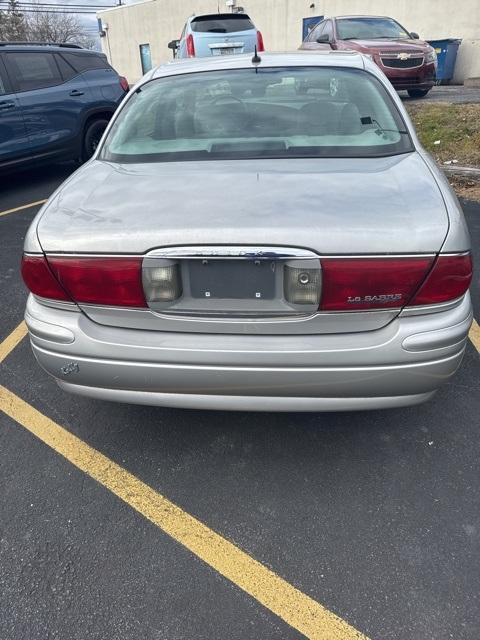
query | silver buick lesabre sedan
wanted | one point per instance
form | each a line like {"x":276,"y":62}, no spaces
{"x":253,"y":234}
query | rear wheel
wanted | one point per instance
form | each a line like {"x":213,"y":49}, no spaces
{"x":418,"y":93}
{"x":93,"y":133}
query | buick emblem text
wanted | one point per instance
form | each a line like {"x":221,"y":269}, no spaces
{"x":381,"y":299}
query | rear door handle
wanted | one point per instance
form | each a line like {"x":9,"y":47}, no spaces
{"x":76,"y":92}
{"x":6,"y":105}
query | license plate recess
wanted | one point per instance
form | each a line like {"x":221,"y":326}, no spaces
{"x":232,"y":279}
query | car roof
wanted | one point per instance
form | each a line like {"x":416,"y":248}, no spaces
{"x":359,"y":16}
{"x":327,"y":58}
{"x":42,"y":46}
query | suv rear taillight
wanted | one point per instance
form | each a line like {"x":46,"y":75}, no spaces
{"x":357,"y":284}
{"x":124,"y":83}
{"x":190,"y":46}
{"x":260,"y":45}
{"x":103,"y":281}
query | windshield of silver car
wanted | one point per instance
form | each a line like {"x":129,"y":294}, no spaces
{"x":263,"y":113}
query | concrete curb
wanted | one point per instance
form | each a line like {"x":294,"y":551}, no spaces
{"x":454,"y":171}
{"x":472,"y":83}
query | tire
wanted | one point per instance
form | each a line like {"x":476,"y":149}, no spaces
{"x":418,"y":93}
{"x":93,"y":133}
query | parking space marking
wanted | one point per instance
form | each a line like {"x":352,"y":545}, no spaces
{"x":12,"y":340}
{"x":291,"y":605}
{"x":475,"y":335}
{"x":24,"y":206}
{"x":297,"y":609}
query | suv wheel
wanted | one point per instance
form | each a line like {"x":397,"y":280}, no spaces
{"x":92,"y":137}
{"x":418,"y":93}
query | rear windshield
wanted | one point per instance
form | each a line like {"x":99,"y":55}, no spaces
{"x":271,"y":113}
{"x":222,"y":23}
{"x":370,"y":29}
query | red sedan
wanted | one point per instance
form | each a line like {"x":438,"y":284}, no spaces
{"x":408,"y":62}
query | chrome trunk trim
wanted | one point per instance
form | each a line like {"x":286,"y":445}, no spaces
{"x":236,"y":252}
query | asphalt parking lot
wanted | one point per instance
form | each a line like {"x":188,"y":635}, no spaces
{"x":371,"y":516}
{"x":448,"y":93}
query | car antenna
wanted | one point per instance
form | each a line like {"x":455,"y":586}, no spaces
{"x":256,"y":58}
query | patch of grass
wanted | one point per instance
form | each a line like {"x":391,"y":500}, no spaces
{"x":457,"y":126}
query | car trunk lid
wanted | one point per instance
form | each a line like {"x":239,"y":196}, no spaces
{"x":295,"y":210}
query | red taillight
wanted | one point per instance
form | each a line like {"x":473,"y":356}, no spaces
{"x":105,"y":281}
{"x":449,"y":279}
{"x":124,"y":83}
{"x":40,"y":280}
{"x":260,"y":46}
{"x":190,"y":46}
{"x":356,"y":284}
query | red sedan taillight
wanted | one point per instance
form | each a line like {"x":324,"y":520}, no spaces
{"x":260,"y":45}
{"x":190,"y":46}
{"x":103,"y":281}
{"x":351,"y":284}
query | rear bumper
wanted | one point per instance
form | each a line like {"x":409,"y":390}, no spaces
{"x":246,"y":403}
{"x":404,"y":363}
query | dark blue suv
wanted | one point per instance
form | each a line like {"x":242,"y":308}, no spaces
{"x":55,"y":101}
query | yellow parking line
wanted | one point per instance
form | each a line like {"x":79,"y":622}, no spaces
{"x":474,"y":335}
{"x":291,"y":605}
{"x":24,"y":206}
{"x":11,"y":341}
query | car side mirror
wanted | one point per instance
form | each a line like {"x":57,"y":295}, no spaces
{"x":174,"y":45}
{"x":415,"y":36}
{"x":323,"y":39}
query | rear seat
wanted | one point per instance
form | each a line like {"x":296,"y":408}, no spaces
{"x":316,"y":118}
{"x":330,"y":118}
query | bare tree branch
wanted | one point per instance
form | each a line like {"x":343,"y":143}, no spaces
{"x":39,"y":26}
{"x":12,"y":23}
